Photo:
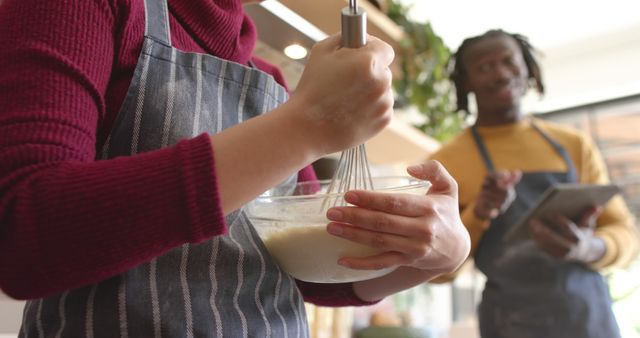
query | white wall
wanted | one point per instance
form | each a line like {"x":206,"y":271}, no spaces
{"x":587,"y":71}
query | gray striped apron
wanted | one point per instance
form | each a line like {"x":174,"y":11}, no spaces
{"x":224,"y":287}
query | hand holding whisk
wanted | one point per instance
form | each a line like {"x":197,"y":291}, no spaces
{"x":353,"y":167}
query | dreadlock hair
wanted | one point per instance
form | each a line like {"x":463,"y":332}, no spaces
{"x":458,"y":72}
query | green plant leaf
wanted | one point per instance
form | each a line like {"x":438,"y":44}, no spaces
{"x":425,"y":82}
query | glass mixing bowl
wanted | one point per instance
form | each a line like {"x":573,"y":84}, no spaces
{"x":290,"y":219}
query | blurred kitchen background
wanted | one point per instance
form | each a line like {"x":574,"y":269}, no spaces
{"x":589,"y":51}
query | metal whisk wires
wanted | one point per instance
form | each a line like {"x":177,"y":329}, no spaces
{"x":353,"y":172}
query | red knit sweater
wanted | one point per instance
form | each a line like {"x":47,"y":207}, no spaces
{"x":67,"y":220}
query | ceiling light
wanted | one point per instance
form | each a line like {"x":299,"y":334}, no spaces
{"x":293,"y":19}
{"x":295,"y":51}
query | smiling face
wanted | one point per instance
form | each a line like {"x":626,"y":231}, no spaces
{"x":495,"y":71}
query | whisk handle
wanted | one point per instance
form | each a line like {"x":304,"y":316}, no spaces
{"x":354,"y":26}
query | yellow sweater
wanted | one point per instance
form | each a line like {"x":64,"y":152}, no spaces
{"x":520,"y":146}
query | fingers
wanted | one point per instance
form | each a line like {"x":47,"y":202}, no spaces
{"x":490,"y":203}
{"x":494,"y":197}
{"x":388,"y":76}
{"x":407,"y":246}
{"x":385,"y":109}
{"x":516,"y":176}
{"x":385,"y":52}
{"x":504,"y":179}
{"x":434,"y":172}
{"x":418,"y":231}
{"x":509,"y":179}
{"x":498,"y":184}
{"x":564,"y":227}
{"x":486,"y":210}
{"x":589,"y":217}
{"x":407,"y":205}
{"x":497,"y":193}
{"x":548,"y":240}
{"x":375,"y":262}
{"x":345,"y":94}
{"x":331,"y":43}
{"x":394,"y":223}
{"x":399,"y":222}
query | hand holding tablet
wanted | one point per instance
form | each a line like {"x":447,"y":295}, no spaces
{"x":568,"y":199}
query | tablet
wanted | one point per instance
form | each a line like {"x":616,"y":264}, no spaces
{"x":569,"y":199}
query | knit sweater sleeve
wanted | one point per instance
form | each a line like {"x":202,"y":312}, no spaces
{"x":66,"y":219}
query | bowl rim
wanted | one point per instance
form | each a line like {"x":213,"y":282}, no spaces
{"x":413,"y":183}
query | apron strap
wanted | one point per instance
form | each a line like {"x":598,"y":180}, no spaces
{"x":157,"y":21}
{"x":571,"y":169}
{"x":484,"y":153}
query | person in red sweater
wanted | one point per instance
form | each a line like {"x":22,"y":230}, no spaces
{"x":132,"y":133}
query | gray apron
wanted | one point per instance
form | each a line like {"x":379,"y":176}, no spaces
{"x":224,"y":287}
{"x":529,"y":294}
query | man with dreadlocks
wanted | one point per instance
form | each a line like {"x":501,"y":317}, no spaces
{"x":548,"y":286}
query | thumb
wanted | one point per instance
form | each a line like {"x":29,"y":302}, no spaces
{"x":329,"y":44}
{"x":516,"y":176}
{"x":509,"y":179}
{"x":589,"y":217}
{"x":434,"y":172}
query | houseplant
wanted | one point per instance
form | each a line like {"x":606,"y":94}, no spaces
{"x":424,"y":86}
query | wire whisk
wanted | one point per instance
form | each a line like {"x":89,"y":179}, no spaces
{"x":353,"y":167}
{"x":353,"y":172}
